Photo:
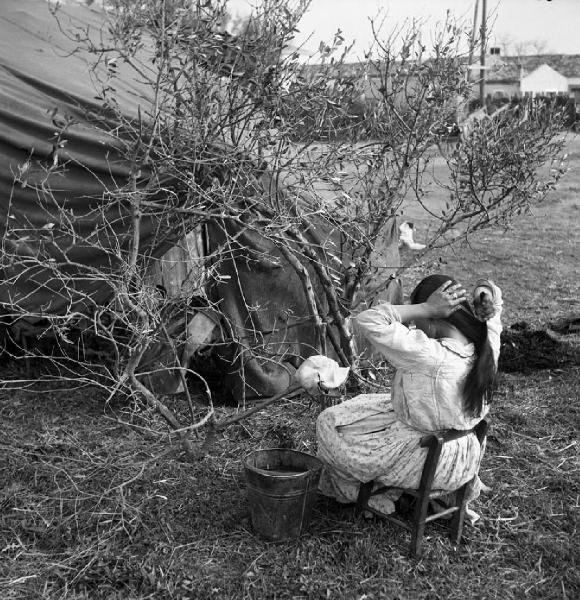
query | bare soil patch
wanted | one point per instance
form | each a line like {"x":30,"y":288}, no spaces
{"x":525,"y":350}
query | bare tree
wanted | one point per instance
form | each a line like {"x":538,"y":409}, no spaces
{"x":239,"y":137}
{"x":512,"y":47}
{"x":539,"y":46}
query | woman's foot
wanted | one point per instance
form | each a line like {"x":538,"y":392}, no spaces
{"x":485,"y":489}
{"x":471,"y":517}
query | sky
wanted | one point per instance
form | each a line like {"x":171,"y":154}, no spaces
{"x":554,"y":23}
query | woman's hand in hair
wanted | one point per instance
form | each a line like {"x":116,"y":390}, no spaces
{"x":445,"y":300}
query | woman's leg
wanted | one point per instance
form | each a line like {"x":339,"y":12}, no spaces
{"x":351,"y":439}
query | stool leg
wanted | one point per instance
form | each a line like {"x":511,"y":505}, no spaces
{"x":459,"y":516}
{"x":435,"y":444}
{"x":364,"y":493}
{"x":419,"y":525}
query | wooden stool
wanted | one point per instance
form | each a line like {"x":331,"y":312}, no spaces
{"x":424,"y":494}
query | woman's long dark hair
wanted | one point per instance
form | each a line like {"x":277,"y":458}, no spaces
{"x":479,"y":383}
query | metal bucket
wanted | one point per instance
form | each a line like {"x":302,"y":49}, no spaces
{"x":282,"y":486}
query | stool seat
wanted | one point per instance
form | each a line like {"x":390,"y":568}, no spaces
{"x":424,"y":494}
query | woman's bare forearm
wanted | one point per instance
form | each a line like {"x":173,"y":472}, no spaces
{"x":441,"y":303}
{"x":410,"y":312}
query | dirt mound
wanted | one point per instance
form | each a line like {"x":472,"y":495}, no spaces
{"x":524,"y":349}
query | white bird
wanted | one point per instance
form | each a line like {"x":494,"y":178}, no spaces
{"x":406,"y":231}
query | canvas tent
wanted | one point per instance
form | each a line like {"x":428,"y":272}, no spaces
{"x":47,"y":85}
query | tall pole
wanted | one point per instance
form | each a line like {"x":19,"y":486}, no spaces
{"x":472,"y":38}
{"x":483,"y":33}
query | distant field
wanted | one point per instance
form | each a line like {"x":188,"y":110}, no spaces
{"x":537,"y":261}
{"x":507,"y":255}
{"x":438,"y":171}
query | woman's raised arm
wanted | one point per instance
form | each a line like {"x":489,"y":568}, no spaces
{"x":488,"y":306}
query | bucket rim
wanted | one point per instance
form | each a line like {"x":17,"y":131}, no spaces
{"x":281,"y":475}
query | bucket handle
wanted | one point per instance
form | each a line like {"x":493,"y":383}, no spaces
{"x":304,"y":503}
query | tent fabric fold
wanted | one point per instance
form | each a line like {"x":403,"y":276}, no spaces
{"x":58,"y":158}
{"x":56,"y":162}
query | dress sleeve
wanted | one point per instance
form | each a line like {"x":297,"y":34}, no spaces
{"x":494,"y":325}
{"x":404,"y":348}
{"x":494,"y":329}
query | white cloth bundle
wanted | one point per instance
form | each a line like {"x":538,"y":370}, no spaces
{"x":320,"y":373}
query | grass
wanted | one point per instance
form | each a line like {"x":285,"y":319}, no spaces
{"x":97,"y":502}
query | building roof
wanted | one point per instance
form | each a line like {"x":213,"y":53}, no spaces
{"x":500,"y":69}
{"x":507,"y":68}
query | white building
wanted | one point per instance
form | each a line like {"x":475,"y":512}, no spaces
{"x":513,"y":76}
{"x":544,"y":81}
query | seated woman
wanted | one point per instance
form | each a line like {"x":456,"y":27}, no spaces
{"x":445,"y":370}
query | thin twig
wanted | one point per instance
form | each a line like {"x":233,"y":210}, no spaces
{"x":290,"y":392}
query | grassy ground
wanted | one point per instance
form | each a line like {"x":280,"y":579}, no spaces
{"x":96,"y":504}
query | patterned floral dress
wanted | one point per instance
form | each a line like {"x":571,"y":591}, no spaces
{"x":376,"y":436}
